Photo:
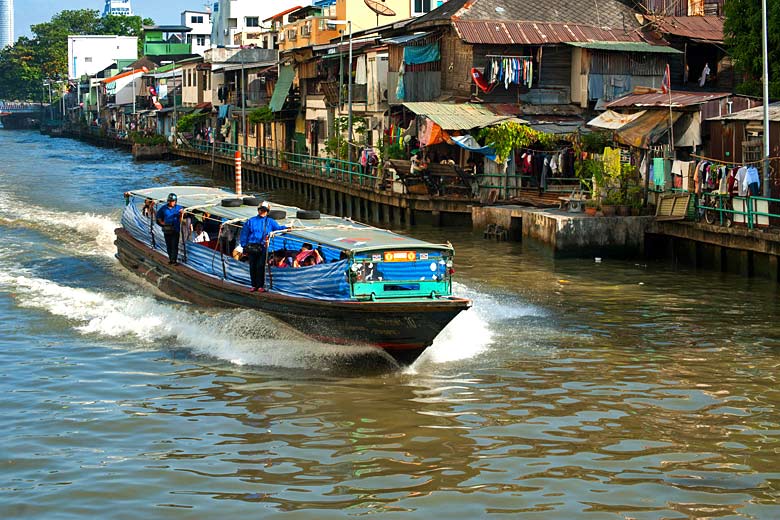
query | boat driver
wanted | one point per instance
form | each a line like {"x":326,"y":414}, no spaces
{"x":169,"y":219}
{"x":254,"y":239}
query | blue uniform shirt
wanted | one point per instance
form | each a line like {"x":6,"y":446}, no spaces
{"x":256,"y":230}
{"x":170,"y":216}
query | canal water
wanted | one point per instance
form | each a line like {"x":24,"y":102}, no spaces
{"x":573,"y":389}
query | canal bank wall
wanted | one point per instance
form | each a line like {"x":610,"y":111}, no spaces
{"x":567,"y":234}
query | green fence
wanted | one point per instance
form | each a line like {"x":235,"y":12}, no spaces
{"x":719,"y":208}
{"x":337,"y":170}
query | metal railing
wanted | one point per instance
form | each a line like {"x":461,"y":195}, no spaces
{"x":721,"y":205}
{"x":336,"y":170}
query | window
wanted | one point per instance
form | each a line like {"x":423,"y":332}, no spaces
{"x":201,"y":40}
{"x":422,"y":6}
{"x":196,"y":19}
{"x":252,"y":21}
{"x":305,"y":30}
{"x":88,"y":60}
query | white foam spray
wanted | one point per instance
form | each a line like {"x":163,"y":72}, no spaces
{"x":97,"y":229}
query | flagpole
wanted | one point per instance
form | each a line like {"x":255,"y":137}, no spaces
{"x":671,"y":117}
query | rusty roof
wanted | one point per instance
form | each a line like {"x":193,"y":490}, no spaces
{"x":555,"y":14}
{"x":660,"y":100}
{"x":706,"y":28}
{"x":537,"y":33}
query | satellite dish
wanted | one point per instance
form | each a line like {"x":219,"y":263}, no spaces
{"x":379,"y":8}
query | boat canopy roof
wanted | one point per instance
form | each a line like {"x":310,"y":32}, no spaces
{"x":337,"y":232}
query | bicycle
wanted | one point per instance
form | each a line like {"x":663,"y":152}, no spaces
{"x":718,"y":209}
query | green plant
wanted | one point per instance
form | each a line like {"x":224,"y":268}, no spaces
{"x":147,"y":139}
{"x":592,"y":203}
{"x":509,"y":135}
{"x":591,"y":173}
{"x":595,"y":142}
{"x":187,"y":122}
{"x":260,"y":115}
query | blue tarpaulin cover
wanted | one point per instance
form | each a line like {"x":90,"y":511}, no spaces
{"x":322,"y":282}
{"x":424,"y":54}
{"x":468,"y":142}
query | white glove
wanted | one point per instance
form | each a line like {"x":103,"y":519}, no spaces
{"x":239,"y":249}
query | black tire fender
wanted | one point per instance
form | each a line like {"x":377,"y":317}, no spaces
{"x":232,"y":203}
{"x":311,"y":214}
{"x":252,"y":201}
{"x":277,"y":214}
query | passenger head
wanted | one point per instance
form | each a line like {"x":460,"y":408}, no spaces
{"x":198,"y":226}
{"x":262,"y":210}
{"x":306,"y":247}
{"x":172,"y":198}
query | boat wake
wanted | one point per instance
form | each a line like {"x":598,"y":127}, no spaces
{"x":474,"y":331}
{"x":97,"y":229}
{"x":239,"y":337}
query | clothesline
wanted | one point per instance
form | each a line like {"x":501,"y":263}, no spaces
{"x":720,"y":161}
{"x":504,"y":56}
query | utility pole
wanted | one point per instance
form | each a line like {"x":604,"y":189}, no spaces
{"x":764,"y":36}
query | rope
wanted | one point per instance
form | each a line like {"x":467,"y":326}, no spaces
{"x":720,"y":161}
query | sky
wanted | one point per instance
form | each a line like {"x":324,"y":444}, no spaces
{"x":30,"y":12}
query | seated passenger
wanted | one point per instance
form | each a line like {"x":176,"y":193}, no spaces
{"x":148,"y":209}
{"x":199,"y":234}
{"x":307,"y":250}
{"x":279,"y":259}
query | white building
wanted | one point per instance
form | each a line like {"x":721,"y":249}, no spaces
{"x":200,"y":36}
{"x":6,"y":23}
{"x":420,"y":7}
{"x":88,"y":54}
{"x":234,"y":16}
{"x":118,"y":8}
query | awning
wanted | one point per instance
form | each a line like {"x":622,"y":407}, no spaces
{"x":407,"y":38}
{"x":451,"y":116}
{"x":647,"y":129}
{"x":642,"y":47}
{"x":612,"y":120}
{"x":282,"y":88}
{"x":126,"y":74}
{"x":227,"y":67}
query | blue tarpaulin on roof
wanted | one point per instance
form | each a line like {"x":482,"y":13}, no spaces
{"x":424,"y":54}
{"x":468,"y":142}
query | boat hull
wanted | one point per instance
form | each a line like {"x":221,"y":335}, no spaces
{"x":402,"y":329}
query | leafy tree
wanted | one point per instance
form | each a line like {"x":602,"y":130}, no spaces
{"x":24,"y":65}
{"x":742,"y":29}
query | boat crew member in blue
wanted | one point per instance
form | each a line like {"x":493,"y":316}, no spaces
{"x":254,"y":238}
{"x":169,"y":219}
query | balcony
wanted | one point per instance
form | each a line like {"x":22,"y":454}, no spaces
{"x":166,"y":49}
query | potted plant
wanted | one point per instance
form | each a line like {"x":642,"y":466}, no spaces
{"x":591,"y":207}
{"x":610,"y":203}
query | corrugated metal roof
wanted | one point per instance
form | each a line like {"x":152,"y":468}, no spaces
{"x":452,"y":116}
{"x":536,"y":33}
{"x":627,"y":47}
{"x":752,"y":114}
{"x":406,"y":38}
{"x":709,"y":28}
{"x":658,"y":99}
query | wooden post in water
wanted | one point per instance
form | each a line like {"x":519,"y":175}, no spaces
{"x":238,"y":173}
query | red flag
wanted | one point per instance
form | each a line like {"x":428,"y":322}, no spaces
{"x":666,"y":83}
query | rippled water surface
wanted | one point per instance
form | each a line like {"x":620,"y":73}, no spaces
{"x":571,"y":390}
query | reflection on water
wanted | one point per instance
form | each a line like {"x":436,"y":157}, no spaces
{"x":571,"y":389}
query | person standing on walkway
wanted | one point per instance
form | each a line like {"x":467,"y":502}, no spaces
{"x":169,"y":219}
{"x":254,"y":238}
